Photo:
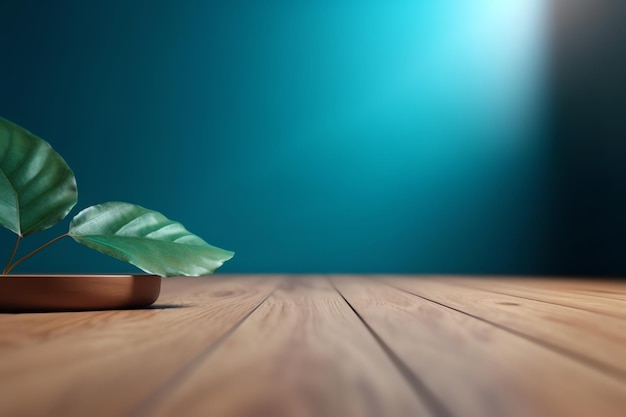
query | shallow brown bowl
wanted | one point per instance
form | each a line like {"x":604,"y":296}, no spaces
{"x":20,"y":293}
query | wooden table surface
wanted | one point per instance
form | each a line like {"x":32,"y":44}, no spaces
{"x":291,"y":346}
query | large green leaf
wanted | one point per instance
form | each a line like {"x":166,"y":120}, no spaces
{"x":146,"y":239}
{"x":37,"y":188}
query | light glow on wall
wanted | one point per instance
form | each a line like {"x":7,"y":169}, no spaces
{"x":351,"y":136}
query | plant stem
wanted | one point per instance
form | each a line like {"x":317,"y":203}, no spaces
{"x":17,"y":243}
{"x":36,"y":251}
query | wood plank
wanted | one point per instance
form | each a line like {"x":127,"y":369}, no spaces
{"x":302,"y":353}
{"x":590,"y":337}
{"x":106,"y":370}
{"x":478,"y":369}
{"x":602,"y":288}
{"x":533,"y":290}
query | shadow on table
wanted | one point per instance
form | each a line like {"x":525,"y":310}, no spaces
{"x":152,"y":307}
{"x":163,"y":307}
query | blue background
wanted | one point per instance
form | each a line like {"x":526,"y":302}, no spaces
{"x":310,"y":136}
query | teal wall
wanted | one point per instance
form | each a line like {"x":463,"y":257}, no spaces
{"x":308,"y":136}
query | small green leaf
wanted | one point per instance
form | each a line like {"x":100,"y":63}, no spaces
{"x":37,"y":187}
{"x":146,"y":239}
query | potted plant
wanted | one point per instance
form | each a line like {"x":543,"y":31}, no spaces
{"x":38,"y":190}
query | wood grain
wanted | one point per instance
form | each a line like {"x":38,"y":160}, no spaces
{"x":105,"y":369}
{"x":479,"y":369}
{"x":538,"y":291}
{"x":602,"y":288}
{"x":302,"y":353}
{"x":590,"y":337}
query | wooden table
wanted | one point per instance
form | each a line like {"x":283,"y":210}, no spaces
{"x":327,"y":346}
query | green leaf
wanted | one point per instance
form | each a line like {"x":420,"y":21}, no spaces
{"x":37,"y":187}
{"x":146,"y":239}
